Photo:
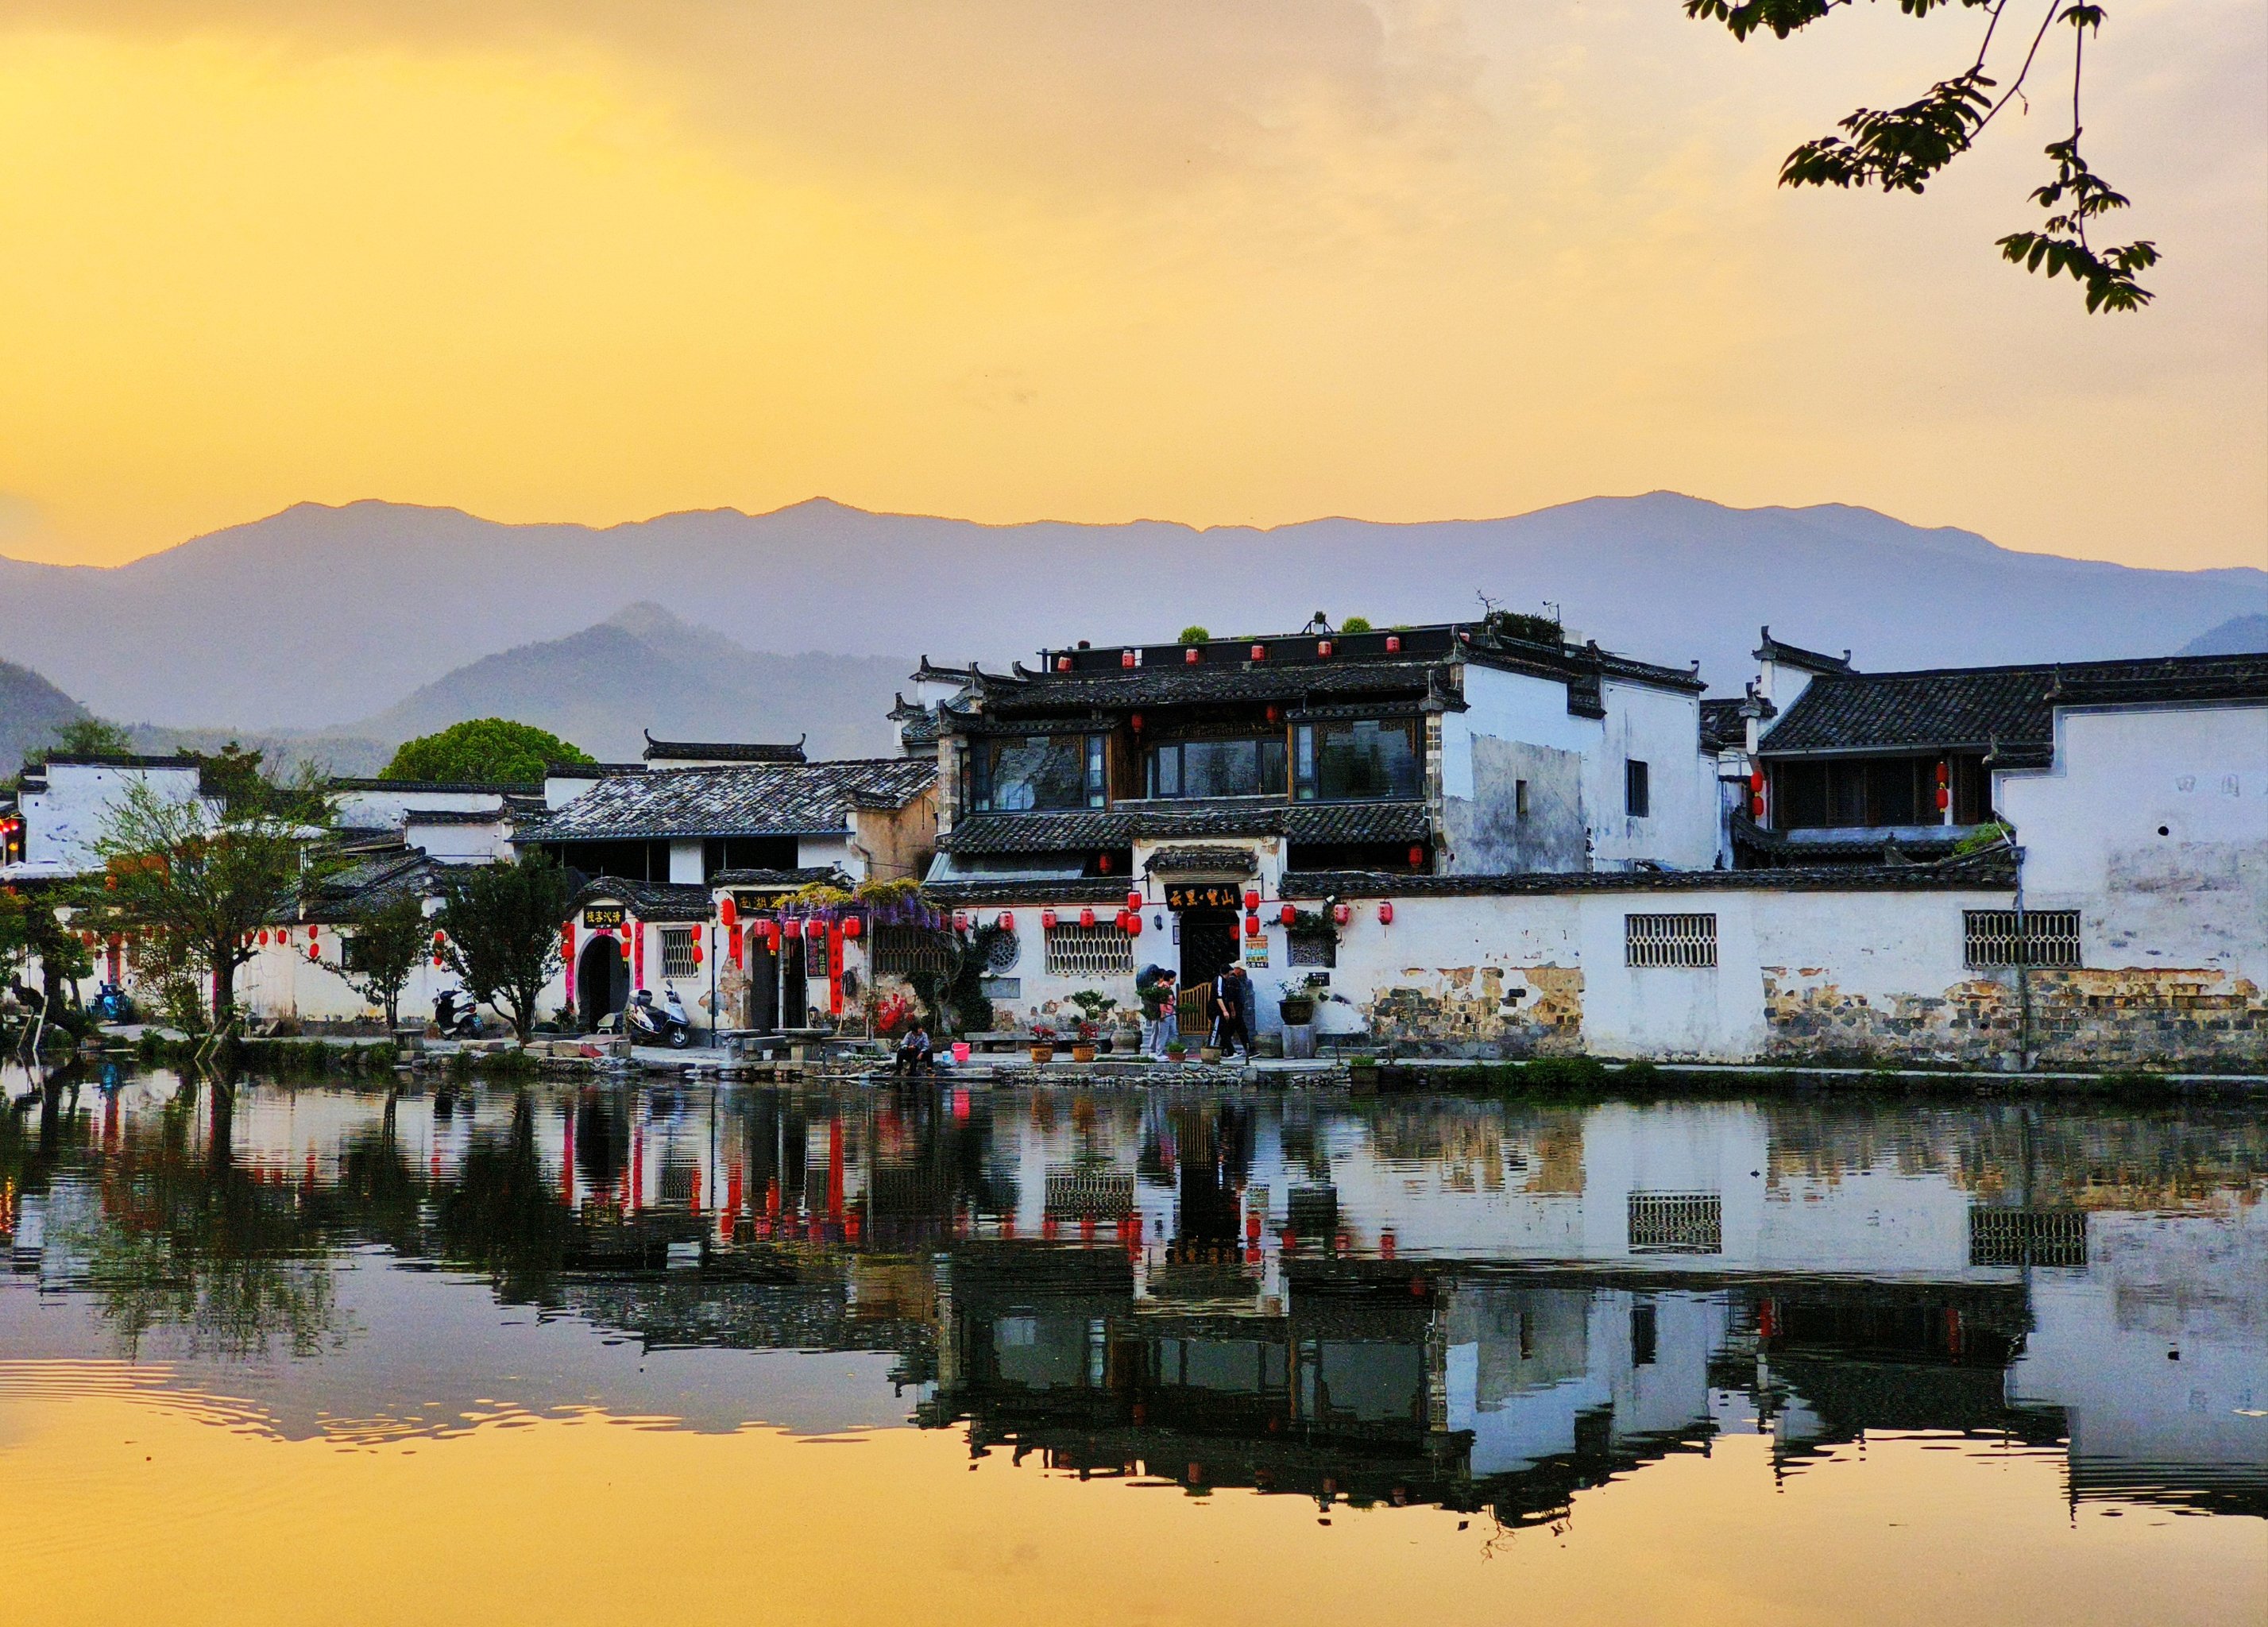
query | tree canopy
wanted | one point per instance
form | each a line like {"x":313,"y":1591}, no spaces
{"x":486,"y":750}
{"x":1902,"y":149}
{"x":501,"y":926}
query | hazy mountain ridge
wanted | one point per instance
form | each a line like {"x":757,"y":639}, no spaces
{"x":31,"y":711}
{"x":2240,"y":635}
{"x":317,"y":614}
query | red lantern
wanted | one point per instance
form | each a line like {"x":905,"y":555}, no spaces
{"x":1416,"y":856}
{"x":314,"y":951}
{"x":1191,"y":656}
{"x":814,"y":928}
{"x":1133,"y":923}
{"x":1252,"y":926}
{"x":1063,"y":663}
{"x":1275,"y":714}
{"x":1119,"y":920}
{"x":1323,"y":648}
{"x":1135,"y":723}
{"x":1392,"y":644}
{"x":728,"y":910}
{"x":1252,"y":898}
{"x":1048,"y":920}
{"x":1342,"y":913}
{"x":1008,"y":920}
{"x":1126,"y":657}
{"x":1086,"y":917}
{"x":960,"y":920}
{"x":852,"y":927}
{"x":1133,"y":901}
{"x":263,"y":937}
{"x":1287,"y":915}
{"x":1944,"y":799}
{"x":1102,"y":863}
{"x":1260,"y":653}
{"x":311,"y":929}
{"x":1386,"y":913}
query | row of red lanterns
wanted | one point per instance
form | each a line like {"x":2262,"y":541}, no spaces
{"x":1191,"y":654}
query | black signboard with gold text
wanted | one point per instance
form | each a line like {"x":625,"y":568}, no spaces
{"x":1205,"y":896}
{"x":603,"y":918}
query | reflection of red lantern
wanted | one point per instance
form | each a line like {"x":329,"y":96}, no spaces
{"x":311,"y":929}
{"x":1252,"y":898}
{"x":1342,"y":914}
{"x":1252,"y":926}
{"x":1287,"y":915}
{"x":1008,"y":920}
{"x":1048,"y":920}
{"x":852,"y":927}
{"x":728,"y":911}
{"x":1386,"y":913}
{"x":1086,"y":917}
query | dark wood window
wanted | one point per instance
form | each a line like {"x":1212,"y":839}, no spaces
{"x":1637,"y":796}
{"x":1358,"y":760}
{"x":1848,"y":792}
{"x":1218,"y":767}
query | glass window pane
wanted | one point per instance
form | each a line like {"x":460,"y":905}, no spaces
{"x":1039,"y":772}
{"x":1365,"y":759}
{"x":1271,"y":767}
{"x":1304,"y":740}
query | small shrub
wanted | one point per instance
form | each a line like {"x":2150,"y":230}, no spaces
{"x":1195,"y":635}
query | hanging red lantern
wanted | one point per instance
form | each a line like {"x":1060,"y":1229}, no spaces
{"x":1386,"y":913}
{"x":1086,"y":917}
{"x":1048,"y":920}
{"x":314,"y":951}
{"x":311,"y":929}
{"x":1191,"y":656}
{"x":1275,"y":714}
{"x":852,"y":927}
{"x":814,"y":928}
{"x":1063,"y":663}
{"x":1260,"y":653}
{"x":1133,"y":923}
{"x":1119,"y":920}
{"x":1252,"y":926}
{"x":728,"y":910}
{"x":1944,"y":799}
{"x":1417,"y":856}
{"x":1103,"y":862}
{"x":1008,"y":920}
{"x":960,"y":920}
{"x":1135,"y":723}
{"x":263,"y":937}
{"x":1126,"y":657}
{"x":1392,"y":644}
{"x":1342,"y":914}
{"x":1133,"y":901}
{"x":1323,"y":648}
{"x":1252,"y":898}
{"x":1287,"y":915}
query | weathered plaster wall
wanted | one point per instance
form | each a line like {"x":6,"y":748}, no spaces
{"x":62,"y":823}
{"x":1662,"y":729}
{"x":1488,"y":834}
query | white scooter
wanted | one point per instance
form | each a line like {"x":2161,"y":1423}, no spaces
{"x":648,"y":1024}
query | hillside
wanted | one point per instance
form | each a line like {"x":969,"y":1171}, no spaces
{"x":317,"y":614}
{"x":644,"y":668}
{"x":31,"y":711}
{"x":2242,"y":635}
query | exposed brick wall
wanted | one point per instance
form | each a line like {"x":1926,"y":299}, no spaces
{"x":1486,"y":1011}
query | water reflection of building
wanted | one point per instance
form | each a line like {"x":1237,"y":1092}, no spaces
{"x":1453,"y":1300}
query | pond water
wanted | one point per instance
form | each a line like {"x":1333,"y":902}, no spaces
{"x":346,"y":1353}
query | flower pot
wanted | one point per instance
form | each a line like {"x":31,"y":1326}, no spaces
{"x":1128,"y":1039}
{"x":1082,"y":1053}
{"x":1208,"y":1052}
{"x":1297,"y":1009}
{"x":1043,"y":1055}
{"x":1175,"y":1055}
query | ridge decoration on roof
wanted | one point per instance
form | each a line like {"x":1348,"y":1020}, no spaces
{"x":722,"y":751}
{"x":1770,"y":649}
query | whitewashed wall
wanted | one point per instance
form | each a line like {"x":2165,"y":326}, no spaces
{"x":62,"y":823}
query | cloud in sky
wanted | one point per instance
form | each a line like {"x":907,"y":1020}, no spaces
{"x":1234,"y":261}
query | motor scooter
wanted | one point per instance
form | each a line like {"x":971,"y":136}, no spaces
{"x":455,"y":1021}
{"x":648,"y":1024}
{"x":110,"y":1004}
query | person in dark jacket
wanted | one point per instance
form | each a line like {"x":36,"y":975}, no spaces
{"x":1231,"y":1004}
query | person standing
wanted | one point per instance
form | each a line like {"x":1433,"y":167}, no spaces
{"x":1230,"y":1031}
{"x":1160,"y":1021}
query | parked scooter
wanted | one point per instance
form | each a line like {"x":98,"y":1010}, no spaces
{"x":455,"y":1021}
{"x":110,"y":1004}
{"x":648,"y":1024}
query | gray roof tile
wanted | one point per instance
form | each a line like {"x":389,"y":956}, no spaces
{"x":765,"y":800}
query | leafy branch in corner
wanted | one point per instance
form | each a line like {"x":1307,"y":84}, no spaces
{"x":1902,"y":149}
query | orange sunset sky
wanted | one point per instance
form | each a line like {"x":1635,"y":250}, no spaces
{"x":1215,"y":261}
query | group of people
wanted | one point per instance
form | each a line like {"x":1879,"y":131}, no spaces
{"x":1229,"y":1005}
{"x":1159,"y":989}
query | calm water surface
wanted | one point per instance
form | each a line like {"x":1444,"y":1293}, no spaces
{"x":306,"y":1352}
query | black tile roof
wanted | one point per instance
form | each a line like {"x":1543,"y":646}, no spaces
{"x":769,"y":799}
{"x":722,"y":751}
{"x":1181,"y":861}
{"x":808,"y":875}
{"x":1722,"y":727}
{"x":373,"y":876}
{"x":1106,"y":827}
{"x":1984,"y":871}
{"x":1126,"y":688}
{"x":1770,"y":649}
{"x":1026,"y":890}
{"x":2010,"y":708}
{"x":650,"y":901}
{"x":456,"y":816}
{"x":459,"y":787}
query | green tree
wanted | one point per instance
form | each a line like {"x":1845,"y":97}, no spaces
{"x":1195,"y":634}
{"x":194,"y":878}
{"x":485,"y":750}
{"x":81,"y":736}
{"x":1902,"y":149}
{"x":502,"y":922}
{"x":1355,"y":624}
{"x":386,"y":944}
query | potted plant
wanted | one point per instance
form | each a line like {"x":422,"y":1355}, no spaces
{"x":1043,"y":1044}
{"x":1094,"y":1009}
{"x":1082,"y":1041}
{"x":1297,"y":1004}
{"x":1176,"y":1052}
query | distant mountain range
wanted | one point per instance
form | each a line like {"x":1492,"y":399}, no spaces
{"x":318,"y":614}
{"x":31,"y":711}
{"x":2242,"y":635}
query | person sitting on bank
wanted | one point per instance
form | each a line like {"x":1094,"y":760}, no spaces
{"x":1154,"y":988}
{"x":913,"y":1055}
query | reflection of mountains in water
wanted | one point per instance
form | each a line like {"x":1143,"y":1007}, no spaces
{"x":1261,"y":1292}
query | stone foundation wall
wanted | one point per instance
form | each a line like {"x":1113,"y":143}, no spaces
{"x":1484,"y":1010}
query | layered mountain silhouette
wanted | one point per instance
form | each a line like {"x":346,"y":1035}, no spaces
{"x":31,"y":711}
{"x":2242,"y":635}
{"x":319,"y":614}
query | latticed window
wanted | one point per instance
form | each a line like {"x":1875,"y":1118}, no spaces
{"x":2048,"y":938}
{"x":902,"y":951}
{"x":1090,"y":951}
{"x":2027,"y":1237}
{"x":1311,"y":949}
{"x":1676,"y":1223}
{"x":677,"y":951}
{"x":1669,"y":939}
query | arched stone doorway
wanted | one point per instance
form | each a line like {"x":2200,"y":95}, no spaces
{"x":602,"y":981}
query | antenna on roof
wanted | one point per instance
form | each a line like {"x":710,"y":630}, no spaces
{"x":1488,"y":604}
